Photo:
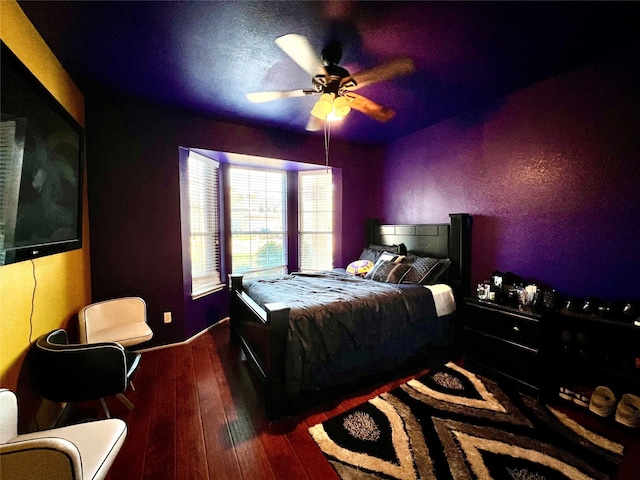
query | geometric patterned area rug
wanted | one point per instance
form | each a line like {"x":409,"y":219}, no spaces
{"x":452,"y":424}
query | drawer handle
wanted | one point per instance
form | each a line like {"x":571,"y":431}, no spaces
{"x":516,"y":328}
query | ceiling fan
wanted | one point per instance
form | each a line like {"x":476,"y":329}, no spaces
{"x":333,"y":83}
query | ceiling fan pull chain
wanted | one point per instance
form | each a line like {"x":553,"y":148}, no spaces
{"x":327,"y":138}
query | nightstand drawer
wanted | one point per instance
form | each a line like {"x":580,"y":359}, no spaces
{"x":503,"y":356}
{"x":511,"y":327}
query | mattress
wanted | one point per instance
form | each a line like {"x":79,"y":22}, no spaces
{"x":443,"y":299}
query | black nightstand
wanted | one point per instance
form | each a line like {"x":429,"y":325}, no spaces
{"x":505,"y":344}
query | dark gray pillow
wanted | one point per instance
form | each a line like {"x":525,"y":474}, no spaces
{"x":388,"y":271}
{"x":373,"y":251}
{"x":426,"y":270}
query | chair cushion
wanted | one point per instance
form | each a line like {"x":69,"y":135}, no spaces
{"x":98,"y":443}
{"x":40,"y":459}
{"x":125,"y":335}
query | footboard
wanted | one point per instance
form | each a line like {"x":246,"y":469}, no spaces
{"x":262,"y":334}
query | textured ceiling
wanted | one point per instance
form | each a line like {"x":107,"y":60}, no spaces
{"x":205,"y":56}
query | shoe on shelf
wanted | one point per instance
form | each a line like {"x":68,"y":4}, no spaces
{"x":628,"y":411}
{"x":582,"y":396}
{"x":566,"y":393}
{"x":603,"y":401}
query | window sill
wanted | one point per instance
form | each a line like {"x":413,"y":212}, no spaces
{"x":208,"y":290}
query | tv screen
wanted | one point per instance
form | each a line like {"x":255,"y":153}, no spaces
{"x":41,"y":159}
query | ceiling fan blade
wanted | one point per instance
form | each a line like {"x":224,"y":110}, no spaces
{"x":369,"y":107}
{"x":314,"y":124}
{"x":300,"y":50}
{"x":260,"y":97}
{"x":386,"y":71}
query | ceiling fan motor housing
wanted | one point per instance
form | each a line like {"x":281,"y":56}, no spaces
{"x":332,"y":81}
{"x":332,"y":53}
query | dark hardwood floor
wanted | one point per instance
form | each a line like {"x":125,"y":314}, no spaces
{"x":199,"y":415}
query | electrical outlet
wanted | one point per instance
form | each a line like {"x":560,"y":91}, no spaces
{"x":167,"y":317}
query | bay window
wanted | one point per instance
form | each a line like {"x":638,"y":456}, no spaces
{"x":258,"y":221}
{"x":315,"y":220}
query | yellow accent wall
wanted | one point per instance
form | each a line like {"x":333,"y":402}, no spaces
{"x":62,"y":282}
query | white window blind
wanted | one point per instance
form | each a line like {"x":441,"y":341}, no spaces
{"x":315,"y":225}
{"x":258,"y":221}
{"x":204,"y":224}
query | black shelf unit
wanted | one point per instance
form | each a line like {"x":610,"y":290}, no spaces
{"x":589,"y":350}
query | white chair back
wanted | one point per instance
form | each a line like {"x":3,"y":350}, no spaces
{"x":126,"y":316}
{"x":8,"y":415}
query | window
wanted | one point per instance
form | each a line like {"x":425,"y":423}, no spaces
{"x":258,"y":221}
{"x":315,"y":209}
{"x":204,"y":224}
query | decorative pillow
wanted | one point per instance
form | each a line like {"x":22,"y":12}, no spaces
{"x":426,"y":270}
{"x":391,"y":257}
{"x":385,"y":257}
{"x":373,"y":252}
{"x":388,"y":271}
{"x":359,"y":268}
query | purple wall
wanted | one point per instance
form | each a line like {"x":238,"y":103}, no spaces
{"x":551,"y":176}
{"x":134,"y":201}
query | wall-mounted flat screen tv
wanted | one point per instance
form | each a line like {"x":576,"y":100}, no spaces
{"x":41,"y":160}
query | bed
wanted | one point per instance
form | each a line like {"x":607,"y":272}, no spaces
{"x":330,"y":328}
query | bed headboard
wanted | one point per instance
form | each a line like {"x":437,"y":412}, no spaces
{"x":439,"y":240}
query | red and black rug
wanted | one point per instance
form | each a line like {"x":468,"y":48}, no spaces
{"x":451,"y":423}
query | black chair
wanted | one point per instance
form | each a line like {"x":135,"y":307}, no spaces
{"x":81,"y":372}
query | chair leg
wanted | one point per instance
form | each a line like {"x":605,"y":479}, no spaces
{"x":63,"y":417}
{"x":104,"y":407}
{"x":125,"y":401}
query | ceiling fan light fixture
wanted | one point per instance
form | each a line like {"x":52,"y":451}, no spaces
{"x":332,"y":117}
{"x":323,"y":107}
{"x":341,"y":107}
{"x":318,"y":112}
{"x":326,"y":108}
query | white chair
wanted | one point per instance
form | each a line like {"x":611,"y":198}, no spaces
{"x":83,"y":451}
{"x":122,"y":320}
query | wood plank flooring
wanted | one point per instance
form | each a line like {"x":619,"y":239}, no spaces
{"x":199,"y":415}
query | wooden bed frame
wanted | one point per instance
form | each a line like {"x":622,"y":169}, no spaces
{"x":262,"y":332}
